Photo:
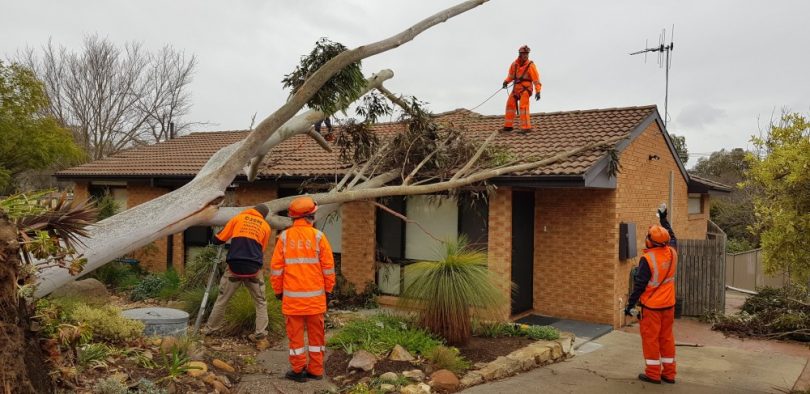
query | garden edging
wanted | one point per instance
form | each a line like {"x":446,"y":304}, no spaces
{"x":532,"y":356}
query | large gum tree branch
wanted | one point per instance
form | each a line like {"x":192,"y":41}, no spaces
{"x":190,"y":204}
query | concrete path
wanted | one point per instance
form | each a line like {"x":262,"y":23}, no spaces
{"x":613,"y":367}
{"x":275,"y":363}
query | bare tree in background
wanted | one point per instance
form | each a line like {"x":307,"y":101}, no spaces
{"x":112,"y":97}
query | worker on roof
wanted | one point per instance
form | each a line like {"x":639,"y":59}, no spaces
{"x":249,"y":234}
{"x":302,"y":272}
{"x":524,"y":74}
{"x":654,"y":288}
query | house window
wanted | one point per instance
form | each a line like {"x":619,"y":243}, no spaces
{"x":117,"y":192}
{"x":695,"y":203}
{"x":432,"y":219}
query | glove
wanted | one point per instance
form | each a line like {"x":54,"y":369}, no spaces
{"x":505,"y":84}
{"x":537,"y":96}
{"x":279,"y":296}
{"x":662,"y":211}
{"x":628,"y":311}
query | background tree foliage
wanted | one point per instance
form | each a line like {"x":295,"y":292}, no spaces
{"x":734,"y":213}
{"x":29,"y":138}
{"x":679,"y":143}
{"x":780,"y":175}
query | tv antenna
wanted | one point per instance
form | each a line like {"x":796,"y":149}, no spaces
{"x":664,"y":60}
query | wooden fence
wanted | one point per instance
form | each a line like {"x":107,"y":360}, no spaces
{"x":746,"y":271}
{"x":701,"y":277}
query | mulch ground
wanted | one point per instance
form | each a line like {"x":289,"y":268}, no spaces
{"x":478,"y":350}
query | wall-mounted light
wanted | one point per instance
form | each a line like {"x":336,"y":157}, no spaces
{"x":653,"y":157}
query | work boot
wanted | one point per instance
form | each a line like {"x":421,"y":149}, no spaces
{"x":644,"y":378}
{"x":507,"y":129}
{"x":668,"y":380}
{"x":312,"y":375}
{"x":299,"y":377}
{"x":257,"y":337}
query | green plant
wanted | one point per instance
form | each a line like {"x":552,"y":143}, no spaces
{"x":171,"y":285}
{"x":146,"y":386}
{"x":240,"y":313}
{"x":198,"y":269}
{"x":164,"y":285}
{"x":192,"y":298}
{"x":175,"y":364}
{"x":346,"y":295}
{"x":93,"y":354}
{"x":450,"y":292}
{"x":106,"y":206}
{"x":107,"y":323}
{"x":117,"y":275}
{"x":109,"y":385}
{"x":496,"y":329}
{"x":379,"y":334}
{"x":443,"y":357}
{"x":542,"y":332}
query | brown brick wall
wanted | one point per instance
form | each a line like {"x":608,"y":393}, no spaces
{"x":642,"y":186}
{"x":697,"y":226}
{"x":575,"y":250}
{"x":499,"y":248}
{"x":153,"y":256}
{"x":359,"y":243}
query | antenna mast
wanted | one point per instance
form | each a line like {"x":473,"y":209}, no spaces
{"x":664,"y":60}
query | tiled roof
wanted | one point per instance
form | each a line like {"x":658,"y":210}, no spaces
{"x":710,"y":184}
{"x":301,"y":156}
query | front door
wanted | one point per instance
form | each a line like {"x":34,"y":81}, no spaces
{"x":522,"y":250}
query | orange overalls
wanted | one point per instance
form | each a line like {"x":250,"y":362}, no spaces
{"x":525,"y":75}
{"x":303,"y":270}
{"x":658,"y":313}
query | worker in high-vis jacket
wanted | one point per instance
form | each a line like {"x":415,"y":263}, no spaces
{"x":249,"y":234}
{"x":302,"y":272}
{"x":524,"y":74}
{"x":654,"y":289}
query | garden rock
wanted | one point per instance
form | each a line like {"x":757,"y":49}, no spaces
{"x":444,"y":380}
{"x":219,"y":387}
{"x":419,"y":388}
{"x":389,"y":377}
{"x":387,"y":387}
{"x":416,"y":375}
{"x":196,"y":368}
{"x":566,"y":341}
{"x":222,"y":365}
{"x":400,"y":354}
{"x":471,"y":379}
{"x":86,"y":289}
{"x":363,"y":360}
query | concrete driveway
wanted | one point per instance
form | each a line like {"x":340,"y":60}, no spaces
{"x":616,"y":360}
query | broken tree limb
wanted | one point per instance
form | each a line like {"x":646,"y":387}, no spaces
{"x":191,"y":204}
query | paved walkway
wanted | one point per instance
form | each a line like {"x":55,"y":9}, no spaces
{"x":615,"y":360}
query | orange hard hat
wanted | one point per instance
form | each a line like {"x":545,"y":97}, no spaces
{"x":524,"y":49}
{"x":657,"y":236}
{"x":302,"y":206}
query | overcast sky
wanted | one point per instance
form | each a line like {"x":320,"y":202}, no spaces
{"x":735,"y":63}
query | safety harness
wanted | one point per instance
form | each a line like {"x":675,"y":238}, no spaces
{"x":515,"y":80}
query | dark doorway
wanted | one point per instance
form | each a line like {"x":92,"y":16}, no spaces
{"x":522,"y":250}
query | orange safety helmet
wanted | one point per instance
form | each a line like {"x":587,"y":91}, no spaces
{"x":302,"y":206}
{"x":524,"y":49}
{"x":657,"y":236}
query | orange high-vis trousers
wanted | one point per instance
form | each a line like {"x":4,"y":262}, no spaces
{"x":315,"y":338}
{"x":658,"y":343}
{"x":523,"y":95}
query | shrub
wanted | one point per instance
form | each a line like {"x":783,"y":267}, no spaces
{"x":110,"y":386}
{"x":346,"y":295}
{"x":117,"y":275}
{"x":240,"y":314}
{"x":192,"y":298}
{"x":443,"y":357}
{"x":107,"y":323}
{"x":496,"y":330}
{"x":542,"y":332}
{"x":165,"y":285}
{"x":106,"y":206}
{"x":198,"y":269}
{"x":379,"y":334}
{"x":93,"y":353}
{"x":450,"y":292}
{"x":171,"y":285}
{"x":146,"y":386}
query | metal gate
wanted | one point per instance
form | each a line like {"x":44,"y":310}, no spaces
{"x":701,"y":276}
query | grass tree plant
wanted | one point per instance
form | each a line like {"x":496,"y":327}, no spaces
{"x":450,"y":292}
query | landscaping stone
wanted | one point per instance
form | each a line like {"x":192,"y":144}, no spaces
{"x":196,"y":368}
{"x":387,"y":387}
{"x":219,"y":387}
{"x":471,"y":379}
{"x":85,"y":289}
{"x":363,"y":360}
{"x":219,"y":364}
{"x":224,"y":379}
{"x":400,"y":354}
{"x":419,"y":388}
{"x":416,"y":375}
{"x":444,"y":380}
{"x":389,"y":377}
{"x":566,"y":341}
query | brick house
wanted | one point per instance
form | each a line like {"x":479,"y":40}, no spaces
{"x":555,"y":232}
